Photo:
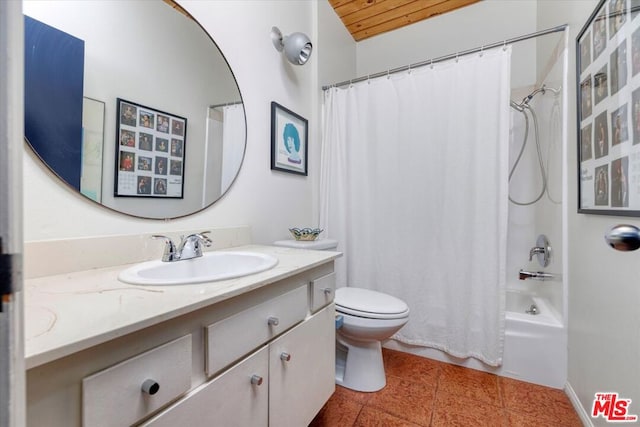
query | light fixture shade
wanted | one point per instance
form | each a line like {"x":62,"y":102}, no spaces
{"x":297,"y":47}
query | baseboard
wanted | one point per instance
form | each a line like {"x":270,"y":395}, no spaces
{"x":582,"y":413}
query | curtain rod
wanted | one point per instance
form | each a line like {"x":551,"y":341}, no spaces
{"x":226,"y":104}
{"x":450,"y":56}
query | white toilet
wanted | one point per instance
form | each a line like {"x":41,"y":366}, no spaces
{"x":369,"y":317}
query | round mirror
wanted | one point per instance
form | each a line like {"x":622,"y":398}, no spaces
{"x":131,"y":104}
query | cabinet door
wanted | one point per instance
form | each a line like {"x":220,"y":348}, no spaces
{"x":236,"y":398}
{"x":301,"y":385}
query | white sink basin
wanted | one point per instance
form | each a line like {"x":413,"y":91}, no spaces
{"x":212,"y":266}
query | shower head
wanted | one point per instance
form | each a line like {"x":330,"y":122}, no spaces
{"x":543,"y":89}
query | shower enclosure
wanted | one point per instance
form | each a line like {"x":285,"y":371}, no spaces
{"x":535,"y":339}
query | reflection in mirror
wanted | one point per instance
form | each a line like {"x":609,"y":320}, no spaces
{"x":80,"y":57}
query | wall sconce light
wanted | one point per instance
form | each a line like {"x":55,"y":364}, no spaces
{"x":297,"y":46}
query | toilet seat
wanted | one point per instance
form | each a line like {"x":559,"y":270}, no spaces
{"x":369,"y":304}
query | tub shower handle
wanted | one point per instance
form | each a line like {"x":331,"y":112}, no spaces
{"x":542,"y":250}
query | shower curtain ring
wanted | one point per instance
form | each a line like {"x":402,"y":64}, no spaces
{"x":481,"y":50}
{"x":504,"y":45}
{"x":432,"y":63}
{"x":368,"y":79}
{"x":457,"y":56}
{"x":387,"y":74}
{"x":409,"y":71}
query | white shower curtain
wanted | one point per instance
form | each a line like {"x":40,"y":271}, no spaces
{"x":414,"y":187}
{"x":233,"y":132}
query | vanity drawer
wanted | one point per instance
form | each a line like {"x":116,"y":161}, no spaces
{"x":237,"y":335}
{"x":237,"y":397}
{"x":322,"y":291}
{"x":115,"y":396}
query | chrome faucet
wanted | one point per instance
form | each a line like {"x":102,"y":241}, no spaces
{"x":535,"y":275}
{"x":542,"y":250}
{"x":189,"y":247}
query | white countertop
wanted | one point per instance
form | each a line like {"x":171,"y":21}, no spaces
{"x":67,"y":313}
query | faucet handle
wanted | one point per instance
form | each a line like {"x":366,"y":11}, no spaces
{"x":206,"y":240}
{"x":170,"y":252}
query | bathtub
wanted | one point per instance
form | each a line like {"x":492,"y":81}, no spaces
{"x":535,"y":346}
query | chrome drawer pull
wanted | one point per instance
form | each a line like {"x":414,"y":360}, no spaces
{"x":256,"y":380}
{"x":273,"y":321}
{"x":150,"y":387}
{"x":284,"y":356}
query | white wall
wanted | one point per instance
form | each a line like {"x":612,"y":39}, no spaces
{"x":337,"y":49}
{"x":485,"y":22}
{"x":604,"y":285}
{"x":270,"y":202}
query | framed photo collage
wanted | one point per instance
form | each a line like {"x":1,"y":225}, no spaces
{"x":150,"y":152}
{"x":608,"y":70}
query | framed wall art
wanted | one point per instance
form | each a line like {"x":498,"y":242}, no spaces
{"x":289,"y":140}
{"x":608,"y":92}
{"x":150,"y":152}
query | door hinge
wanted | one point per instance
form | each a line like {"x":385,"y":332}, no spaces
{"x":10,"y":267}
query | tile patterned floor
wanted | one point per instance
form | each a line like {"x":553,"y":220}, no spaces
{"x":422,"y":392}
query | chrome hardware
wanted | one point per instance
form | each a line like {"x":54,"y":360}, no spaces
{"x":189,"y":247}
{"x":256,"y":380}
{"x":535,"y":275}
{"x":542,"y":250}
{"x":273,"y":321}
{"x":285,"y":357}
{"x":533,"y":309}
{"x":623,"y":237}
{"x":150,"y":387}
{"x":327,"y":291}
{"x":170,"y":253}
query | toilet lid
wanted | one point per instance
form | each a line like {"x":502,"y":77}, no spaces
{"x":368,"y":303}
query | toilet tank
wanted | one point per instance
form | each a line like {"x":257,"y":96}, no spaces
{"x":319,"y":245}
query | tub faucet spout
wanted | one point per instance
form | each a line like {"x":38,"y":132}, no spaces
{"x":535,"y":275}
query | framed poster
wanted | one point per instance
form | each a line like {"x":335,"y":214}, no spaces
{"x":150,"y":152}
{"x":289,"y":140}
{"x":608,"y":76}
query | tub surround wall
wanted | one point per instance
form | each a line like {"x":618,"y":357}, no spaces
{"x":546,"y":215}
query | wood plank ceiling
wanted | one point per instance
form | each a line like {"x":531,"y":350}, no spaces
{"x":368,"y":18}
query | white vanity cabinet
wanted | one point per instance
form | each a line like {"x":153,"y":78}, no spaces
{"x":262,"y":357}
{"x":298,"y":379}
{"x":283,"y":384}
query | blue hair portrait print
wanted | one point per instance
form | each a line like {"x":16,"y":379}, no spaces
{"x":292,"y":143}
